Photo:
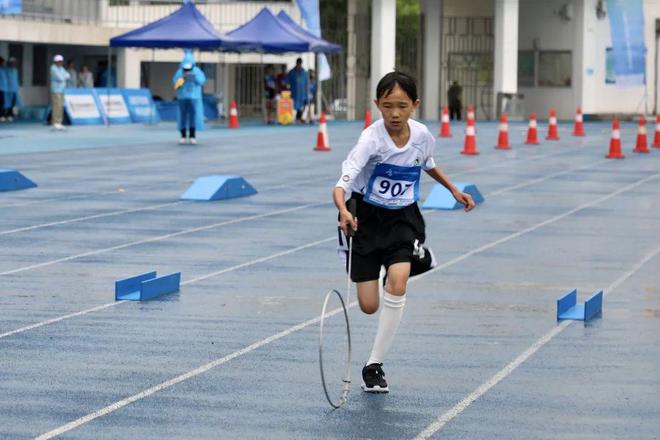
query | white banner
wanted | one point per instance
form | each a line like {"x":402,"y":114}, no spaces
{"x":82,"y":106}
{"x":117,"y":106}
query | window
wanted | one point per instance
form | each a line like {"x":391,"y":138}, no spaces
{"x":610,"y":73}
{"x":39,"y":65}
{"x":555,"y":69}
{"x":526,"y":68}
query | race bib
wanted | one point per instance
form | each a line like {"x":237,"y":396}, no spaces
{"x":393,"y":186}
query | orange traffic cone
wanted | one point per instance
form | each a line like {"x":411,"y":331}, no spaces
{"x":470,"y":113}
{"x":322,"y":136}
{"x":615,"y":143}
{"x":656,"y":138}
{"x":445,"y":131}
{"x":233,"y":115}
{"x":641,"y":145}
{"x":367,"y":118}
{"x":578,"y":130}
{"x":503,"y":135}
{"x":470,"y":146}
{"x":553,"y":135}
{"x":532,"y":132}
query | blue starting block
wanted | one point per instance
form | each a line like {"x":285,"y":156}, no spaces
{"x":12,"y":180}
{"x":146,"y":286}
{"x":218,"y":187}
{"x":441,"y":198}
{"x":567,"y":307}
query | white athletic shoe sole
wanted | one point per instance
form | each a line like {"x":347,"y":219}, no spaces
{"x":375,"y":390}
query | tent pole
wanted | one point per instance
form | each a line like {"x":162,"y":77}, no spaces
{"x":319,"y":101}
{"x":153,"y":106}
{"x":107,"y":83}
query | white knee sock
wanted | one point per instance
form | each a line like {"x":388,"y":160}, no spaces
{"x":388,"y":323}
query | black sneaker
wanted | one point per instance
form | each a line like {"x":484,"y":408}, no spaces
{"x":373,"y":378}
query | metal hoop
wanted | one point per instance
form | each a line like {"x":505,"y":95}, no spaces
{"x":347,"y":374}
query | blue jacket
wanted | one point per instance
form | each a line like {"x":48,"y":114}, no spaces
{"x":3,"y":79}
{"x":12,"y":88}
{"x":12,"y":79}
{"x":299,"y":82}
{"x":191,"y":89}
{"x":58,"y":77}
{"x":192,"y":86}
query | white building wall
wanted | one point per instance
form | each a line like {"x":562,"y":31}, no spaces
{"x":541,"y":28}
{"x":609,"y":98}
{"x":588,"y":38}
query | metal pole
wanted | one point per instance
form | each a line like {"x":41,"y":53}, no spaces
{"x":107,"y":85}
{"x":319,"y":101}
{"x":152,"y":104}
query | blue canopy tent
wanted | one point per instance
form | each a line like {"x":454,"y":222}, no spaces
{"x":267,"y":33}
{"x":185,"y":28}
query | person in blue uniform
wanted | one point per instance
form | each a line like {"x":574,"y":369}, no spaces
{"x":188,"y":82}
{"x":298,"y":80}
{"x":12,"y":97}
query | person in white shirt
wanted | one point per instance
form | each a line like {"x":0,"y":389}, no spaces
{"x":72,"y":82}
{"x":58,"y":79}
{"x":85,"y":78}
{"x":382,"y":173}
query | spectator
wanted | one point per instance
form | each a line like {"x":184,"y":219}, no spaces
{"x":280,"y":79}
{"x":3,"y":88}
{"x":72,"y":82}
{"x":103,"y":79}
{"x":188,"y":82}
{"x":298,"y":81}
{"x":12,"y":97}
{"x":311,"y":100}
{"x":85,"y":77}
{"x":58,"y":78}
{"x":454,"y":98}
{"x":270,"y":89}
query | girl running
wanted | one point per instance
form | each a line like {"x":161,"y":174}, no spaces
{"x":382,"y":174}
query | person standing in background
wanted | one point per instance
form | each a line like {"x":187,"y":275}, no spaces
{"x":85,"y":77}
{"x":280,"y":80}
{"x":72,"y":82}
{"x":270,"y":91}
{"x":12,"y":97}
{"x":58,"y":79}
{"x":299,"y":83}
{"x":188,"y":82}
{"x":311,"y":100}
{"x":454,"y":98}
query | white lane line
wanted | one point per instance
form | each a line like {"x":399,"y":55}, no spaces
{"x":58,"y":319}
{"x":482,"y":389}
{"x":121,"y":403}
{"x":124,"y":211}
{"x":194,"y":280}
{"x":161,"y":237}
{"x":178,"y":379}
{"x":89,"y":217}
{"x":152,"y":207}
{"x":538,"y":225}
{"x":84,"y":312}
{"x":259,"y":260}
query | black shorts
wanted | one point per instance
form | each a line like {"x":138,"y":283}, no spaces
{"x":384,"y":237}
